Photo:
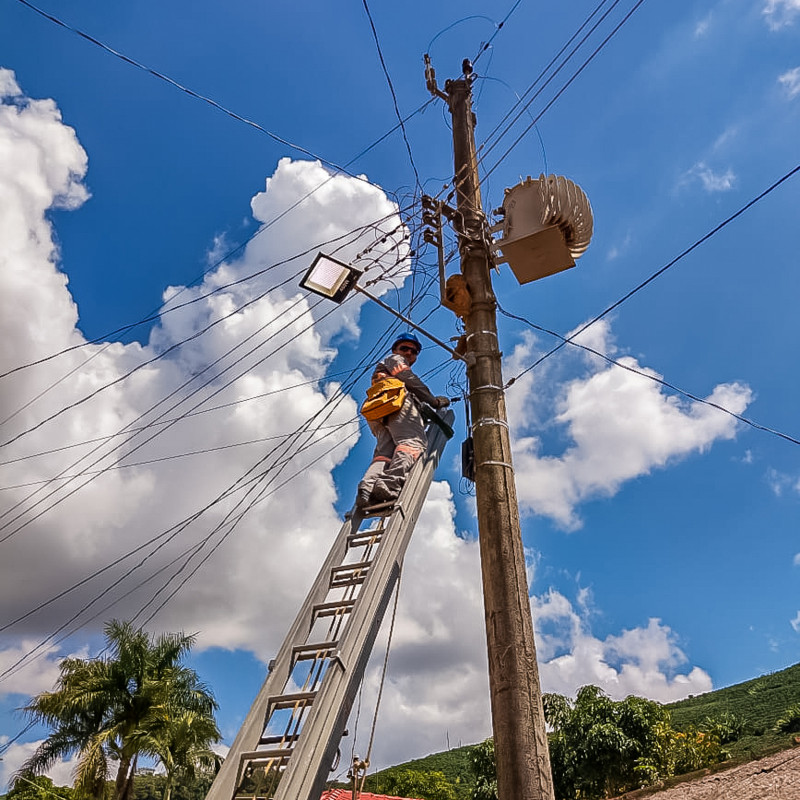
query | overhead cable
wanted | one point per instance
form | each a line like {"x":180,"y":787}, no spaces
{"x":357,"y":232}
{"x":394,"y":94}
{"x":562,"y":89}
{"x":153,"y":436}
{"x":543,"y":72}
{"x":219,"y":498}
{"x":176,"y":530}
{"x":158,"y":313}
{"x":650,"y":376}
{"x":485,"y":46}
{"x":188,"y":91}
{"x":660,"y":271}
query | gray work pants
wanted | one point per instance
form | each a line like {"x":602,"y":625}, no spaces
{"x":400,"y":442}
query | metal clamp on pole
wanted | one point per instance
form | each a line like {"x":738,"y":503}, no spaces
{"x":489,"y":421}
{"x":489,"y":387}
{"x":495,"y":464}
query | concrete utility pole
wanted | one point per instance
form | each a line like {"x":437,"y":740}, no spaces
{"x":520,"y":739}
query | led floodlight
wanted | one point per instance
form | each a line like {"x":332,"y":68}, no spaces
{"x":330,"y":278}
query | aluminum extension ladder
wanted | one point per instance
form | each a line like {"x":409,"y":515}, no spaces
{"x":288,"y":742}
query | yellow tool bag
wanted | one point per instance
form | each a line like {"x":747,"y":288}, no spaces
{"x":384,"y":397}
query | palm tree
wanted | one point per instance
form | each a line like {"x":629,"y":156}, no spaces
{"x":184,"y":748}
{"x":120,"y":707}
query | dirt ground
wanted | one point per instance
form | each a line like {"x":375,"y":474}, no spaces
{"x":776,"y":777}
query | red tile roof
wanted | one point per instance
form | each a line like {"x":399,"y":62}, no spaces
{"x":347,"y":794}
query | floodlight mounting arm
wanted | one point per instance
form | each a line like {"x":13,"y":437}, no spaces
{"x":468,"y":358}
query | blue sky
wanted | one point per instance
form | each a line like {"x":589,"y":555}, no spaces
{"x":661,"y":533}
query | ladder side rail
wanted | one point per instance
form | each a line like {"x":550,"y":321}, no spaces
{"x":309,"y":767}
{"x":247,"y":739}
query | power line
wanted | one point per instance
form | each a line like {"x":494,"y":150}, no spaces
{"x":175,"y":531}
{"x":157,"y":433}
{"x":544,"y":71}
{"x":159,"y":313}
{"x":138,"y":446}
{"x":148,"y":362}
{"x":394,"y":95}
{"x":149,"y":461}
{"x":652,"y":377}
{"x":358,"y":232}
{"x":258,"y":499}
{"x":485,"y":46}
{"x":661,"y":271}
{"x":182,"y":417}
{"x":563,"y":88}
{"x":355,"y":373}
{"x":452,"y":25}
{"x":188,"y":91}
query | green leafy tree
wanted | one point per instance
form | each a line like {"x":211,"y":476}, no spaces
{"x":726,"y":727}
{"x":37,"y":787}
{"x":484,"y":769}
{"x":418,"y":784}
{"x":789,"y":721}
{"x":184,"y":747}
{"x":596,"y":743}
{"x":120,"y":707}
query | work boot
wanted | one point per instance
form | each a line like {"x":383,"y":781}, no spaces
{"x":362,"y":499}
{"x":380,"y":494}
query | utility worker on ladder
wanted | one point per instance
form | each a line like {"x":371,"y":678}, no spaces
{"x":400,"y":435}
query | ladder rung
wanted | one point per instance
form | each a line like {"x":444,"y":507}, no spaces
{"x":361,"y":538}
{"x":304,"y":652}
{"x":350,"y":567}
{"x":279,"y":701}
{"x":280,"y":754}
{"x":332,"y":609}
{"x":351,"y":579}
{"x":283,"y":739}
{"x":349,"y":574}
{"x":385,"y":510}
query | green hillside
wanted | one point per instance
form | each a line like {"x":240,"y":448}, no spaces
{"x":758,"y":704}
{"x":454,"y":764}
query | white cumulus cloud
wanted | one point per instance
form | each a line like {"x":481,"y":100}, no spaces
{"x":61,"y":773}
{"x":621,"y":426}
{"x":271,"y":344}
{"x":644,"y":661}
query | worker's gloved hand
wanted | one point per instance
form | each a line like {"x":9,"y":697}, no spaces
{"x":442,"y":402}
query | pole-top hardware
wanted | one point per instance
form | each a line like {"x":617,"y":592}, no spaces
{"x":430,"y":79}
{"x":453,"y":292}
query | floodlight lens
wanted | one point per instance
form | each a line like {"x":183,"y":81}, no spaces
{"x":326,"y":277}
{"x":330,"y":278}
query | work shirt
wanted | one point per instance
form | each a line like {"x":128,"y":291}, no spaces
{"x":395,"y":366}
